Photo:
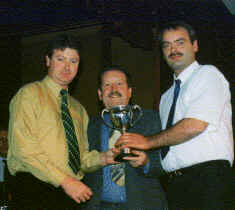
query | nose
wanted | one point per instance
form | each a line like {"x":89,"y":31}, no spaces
{"x":114,"y":87}
{"x":67,"y":65}
{"x":173,"y":47}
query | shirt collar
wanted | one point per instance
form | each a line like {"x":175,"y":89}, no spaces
{"x":54,"y":87}
{"x":186,"y":73}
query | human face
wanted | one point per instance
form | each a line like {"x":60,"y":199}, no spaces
{"x":178,"y":50}
{"x":115,"y":90}
{"x":63,"y":66}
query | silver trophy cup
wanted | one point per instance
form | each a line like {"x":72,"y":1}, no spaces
{"x":122,"y":118}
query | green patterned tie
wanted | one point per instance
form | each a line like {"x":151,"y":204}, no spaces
{"x":74,"y":154}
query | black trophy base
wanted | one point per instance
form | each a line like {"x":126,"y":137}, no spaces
{"x":125,"y":153}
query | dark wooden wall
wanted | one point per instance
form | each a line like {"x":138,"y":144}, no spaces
{"x":10,"y":79}
{"x":151,"y":76}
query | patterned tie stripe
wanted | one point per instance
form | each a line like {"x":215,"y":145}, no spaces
{"x":73,"y":149}
{"x":165,"y":149}
{"x":117,"y":170}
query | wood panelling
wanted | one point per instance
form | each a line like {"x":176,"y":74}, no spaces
{"x":10,"y":79}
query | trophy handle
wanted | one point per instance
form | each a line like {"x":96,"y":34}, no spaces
{"x":139,"y":116}
{"x":102,"y":115}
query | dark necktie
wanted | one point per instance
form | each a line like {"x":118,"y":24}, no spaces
{"x":171,"y":114}
{"x":73,"y":149}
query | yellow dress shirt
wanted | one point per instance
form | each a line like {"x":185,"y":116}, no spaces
{"x":37,"y":141}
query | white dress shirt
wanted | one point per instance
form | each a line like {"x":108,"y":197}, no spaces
{"x":204,"y":95}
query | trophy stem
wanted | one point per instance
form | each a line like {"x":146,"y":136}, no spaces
{"x":122,"y":118}
{"x":124,"y":129}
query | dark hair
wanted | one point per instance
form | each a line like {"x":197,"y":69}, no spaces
{"x":61,"y":42}
{"x":114,"y":68}
{"x":174,"y":26}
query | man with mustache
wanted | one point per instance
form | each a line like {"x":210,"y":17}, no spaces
{"x":123,"y":186}
{"x":48,"y":147}
{"x":197,"y":140}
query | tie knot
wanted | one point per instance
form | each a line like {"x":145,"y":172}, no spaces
{"x":177,"y":82}
{"x":64,"y":92}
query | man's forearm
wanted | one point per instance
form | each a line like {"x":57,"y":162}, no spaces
{"x":181,"y":132}
{"x":76,"y":189}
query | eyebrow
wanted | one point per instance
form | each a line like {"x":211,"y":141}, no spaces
{"x":180,"y":39}
{"x":59,"y":55}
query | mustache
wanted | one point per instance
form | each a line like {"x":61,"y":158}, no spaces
{"x":175,"y":54}
{"x":114,"y":93}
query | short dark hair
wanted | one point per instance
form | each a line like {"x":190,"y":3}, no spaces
{"x":61,"y":42}
{"x":115,"y":68}
{"x":174,"y":26}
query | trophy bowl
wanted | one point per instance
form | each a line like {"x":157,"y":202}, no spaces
{"x":122,"y":119}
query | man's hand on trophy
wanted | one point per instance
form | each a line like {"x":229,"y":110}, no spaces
{"x":140,"y":158}
{"x":107,"y":158}
{"x":133,"y":140}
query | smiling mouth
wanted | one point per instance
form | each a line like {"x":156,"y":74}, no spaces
{"x":115,"y":95}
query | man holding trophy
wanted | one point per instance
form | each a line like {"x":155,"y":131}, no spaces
{"x":125,"y":185}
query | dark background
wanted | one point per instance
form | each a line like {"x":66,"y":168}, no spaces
{"x":135,"y":22}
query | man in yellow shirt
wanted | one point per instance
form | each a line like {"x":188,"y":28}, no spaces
{"x":38,"y":155}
